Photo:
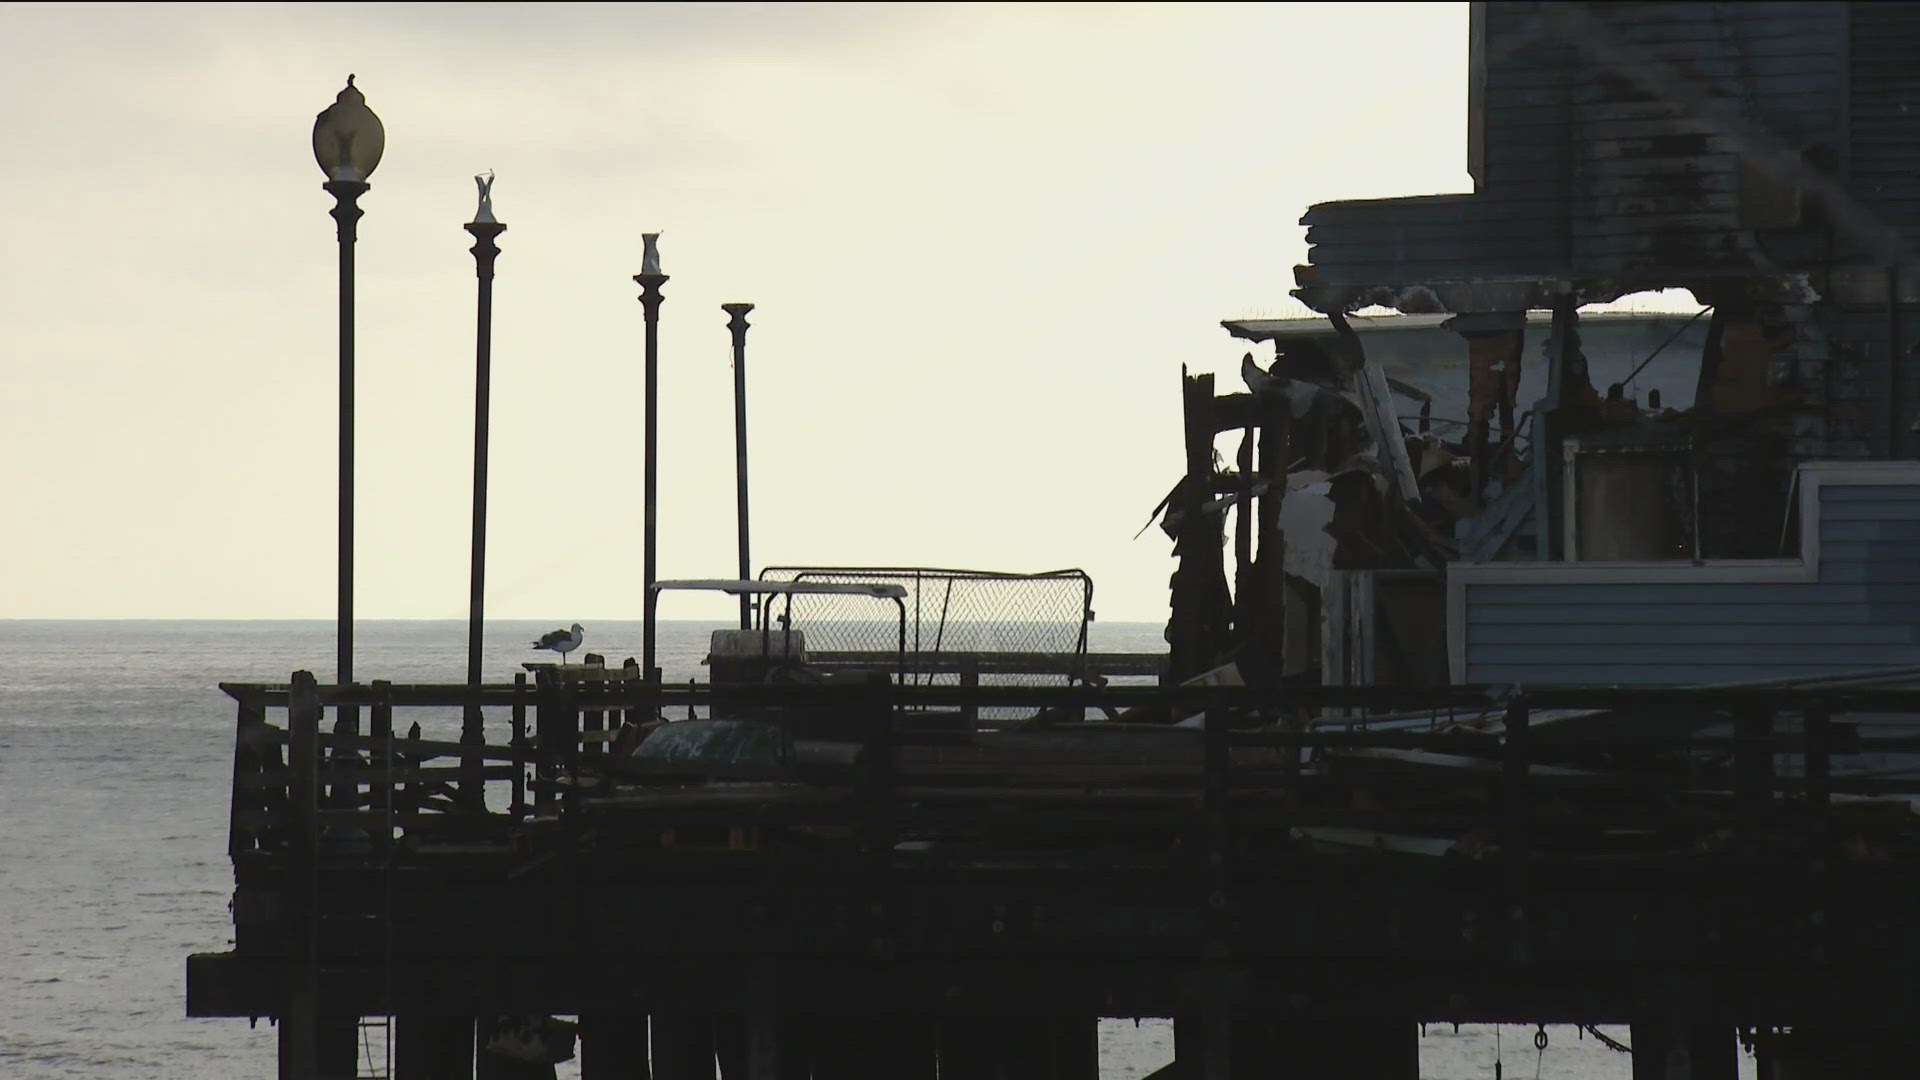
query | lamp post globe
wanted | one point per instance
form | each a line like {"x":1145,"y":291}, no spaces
{"x":348,"y":138}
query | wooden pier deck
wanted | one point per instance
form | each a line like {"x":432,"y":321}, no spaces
{"x":873,"y":905}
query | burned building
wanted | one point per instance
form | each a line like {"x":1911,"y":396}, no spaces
{"x":1465,"y":510}
{"x":1761,"y":157}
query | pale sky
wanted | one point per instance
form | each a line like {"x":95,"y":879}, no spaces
{"x":981,"y":241}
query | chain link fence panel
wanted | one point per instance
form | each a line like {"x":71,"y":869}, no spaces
{"x":1013,"y":629}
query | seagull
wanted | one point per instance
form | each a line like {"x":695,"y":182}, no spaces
{"x":562,"y":641}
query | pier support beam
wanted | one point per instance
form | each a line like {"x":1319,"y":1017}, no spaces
{"x":613,"y":1046}
{"x":432,"y":1047}
{"x":325,"y":1046}
{"x":1019,"y":1048}
{"x":336,"y":1043}
{"x":875,"y":1048}
{"x":683,"y":1046}
{"x":1666,"y":1051}
{"x":1076,"y":1047}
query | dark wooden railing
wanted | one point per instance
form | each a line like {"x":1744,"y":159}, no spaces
{"x":342,"y":792}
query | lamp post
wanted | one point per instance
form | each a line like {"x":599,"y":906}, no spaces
{"x":485,"y":229}
{"x":650,"y":279}
{"x":348,"y":140}
{"x":737,"y":323}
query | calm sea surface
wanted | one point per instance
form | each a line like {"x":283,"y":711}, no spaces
{"x":115,"y":756}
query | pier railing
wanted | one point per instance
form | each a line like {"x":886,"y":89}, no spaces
{"x":1730,"y":763}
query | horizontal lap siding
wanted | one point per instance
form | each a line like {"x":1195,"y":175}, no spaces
{"x":1612,"y":145}
{"x":1884,"y":122}
{"x":1683,"y":85}
{"x":1863,"y":611}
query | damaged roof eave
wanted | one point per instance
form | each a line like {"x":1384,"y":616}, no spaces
{"x":1263,"y":330}
{"x":1476,"y":296}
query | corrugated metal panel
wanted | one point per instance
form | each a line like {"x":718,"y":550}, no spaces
{"x":1863,"y":611}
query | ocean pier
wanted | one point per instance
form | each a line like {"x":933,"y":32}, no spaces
{"x":897,"y":901}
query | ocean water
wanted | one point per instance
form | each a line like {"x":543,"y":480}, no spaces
{"x":115,"y":759}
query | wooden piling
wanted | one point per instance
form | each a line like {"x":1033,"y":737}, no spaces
{"x":433,"y":1046}
{"x":1753,"y":778}
{"x":877,"y":765}
{"x":1201,"y":604}
{"x":1246,"y":597}
{"x":683,"y":1046}
{"x":876,"y":1048}
{"x":380,"y":722}
{"x":1664,"y":1050}
{"x":630,"y":673}
{"x":593,"y":723}
{"x":613,"y":1045}
{"x":303,"y":761}
{"x":518,"y":740}
{"x":299,"y":1055}
{"x":1516,"y":793}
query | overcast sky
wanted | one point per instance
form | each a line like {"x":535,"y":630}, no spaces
{"x":982,"y":241}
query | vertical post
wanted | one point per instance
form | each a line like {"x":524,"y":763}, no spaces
{"x":763,"y":1034}
{"x":650,"y":279}
{"x":546,"y":726}
{"x":1218,"y":873}
{"x":1217,"y":764}
{"x":412,"y":790}
{"x":251,"y":758}
{"x":380,"y":718}
{"x":346,"y":215}
{"x":485,"y":230}
{"x":519,"y":742}
{"x":1247,"y":603}
{"x":1517,"y":810}
{"x":1200,"y":605}
{"x":613,"y":1045}
{"x":970,"y":682}
{"x":593,"y":677}
{"x":303,"y":760}
{"x":876,"y":716}
{"x":299,"y":1024}
{"x":1753,"y":770}
{"x":1818,"y":725}
{"x":1270,"y":558}
{"x":737,"y":324}
{"x":629,"y":674}
{"x":557,"y":730}
{"x":1682,"y":1051}
{"x":683,"y":1046}
{"x":1563,"y":367}
{"x":433,"y":1046}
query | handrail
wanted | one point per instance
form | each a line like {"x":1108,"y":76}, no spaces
{"x":1247,"y":746}
{"x":1485,"y":697}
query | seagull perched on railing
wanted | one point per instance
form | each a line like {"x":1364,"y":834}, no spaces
{"x":562,"y":641}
